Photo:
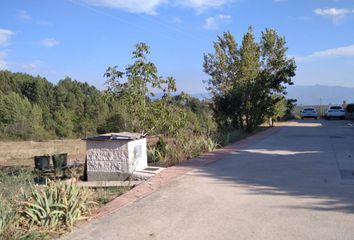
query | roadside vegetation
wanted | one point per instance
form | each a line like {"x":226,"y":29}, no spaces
{"x":248,"y":80}
{"x":31,"y":211}
{"x":247,"y":86}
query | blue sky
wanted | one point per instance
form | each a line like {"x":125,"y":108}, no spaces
{"x":81,"y":38}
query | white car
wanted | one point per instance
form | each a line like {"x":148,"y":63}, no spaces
{"x":309,"y":112}
{"x":335,"y":112}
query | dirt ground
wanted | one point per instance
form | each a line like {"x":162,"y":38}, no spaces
{"x":22,"y":153}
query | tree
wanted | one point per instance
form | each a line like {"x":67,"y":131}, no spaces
{"x":222,"y":66}
{"x":63,"y":123}
{"x":247,"y":82}
{"x":15,"y":113}
{"x":136,"y":85}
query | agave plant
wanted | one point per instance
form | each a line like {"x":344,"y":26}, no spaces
{"x":56,"y":205}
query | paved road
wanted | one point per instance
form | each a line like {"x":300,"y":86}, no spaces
{"x":294,"y":184}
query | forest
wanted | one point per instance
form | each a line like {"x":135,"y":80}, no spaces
{"x":31,"y":107}
{"x":247,"y":86}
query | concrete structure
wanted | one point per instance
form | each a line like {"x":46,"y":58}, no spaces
{"x":115,"y":156}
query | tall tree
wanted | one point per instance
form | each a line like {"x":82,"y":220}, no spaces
{"x":245,"y":81}
{"x":136,"y":85}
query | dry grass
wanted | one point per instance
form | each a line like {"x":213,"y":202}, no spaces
{"x":22,"y":153}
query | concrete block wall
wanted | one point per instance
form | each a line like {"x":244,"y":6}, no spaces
{"x":115,"y":159}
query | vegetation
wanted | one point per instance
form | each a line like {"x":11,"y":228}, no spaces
{"x":73,"y":109}
{"x":247,"y":85}
{"x":7,"y":216}
{"x":33,"y":108}
{"x":248,"y":82}
{"x":30,"y":211}
{"x":350,"y":108}
{"x":58,"y":205}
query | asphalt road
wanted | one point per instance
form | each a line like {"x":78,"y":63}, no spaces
{"x":297,"y":183}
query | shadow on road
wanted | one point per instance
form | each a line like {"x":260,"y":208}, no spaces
{"x":300,"y":160}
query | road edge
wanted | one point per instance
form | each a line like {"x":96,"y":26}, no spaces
{"x":171,"y":173}
{"x":167,"y":175}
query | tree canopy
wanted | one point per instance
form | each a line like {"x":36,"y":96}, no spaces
{"x":248,"y":81}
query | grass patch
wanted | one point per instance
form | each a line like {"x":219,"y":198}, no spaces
{"x":104,"y":195}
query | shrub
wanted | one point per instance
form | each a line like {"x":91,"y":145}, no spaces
{"x":350,"y":108}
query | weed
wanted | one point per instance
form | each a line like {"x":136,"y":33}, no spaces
{"x":107,"y":194}
{"x":15,"y":183}
{"x":7,"y":217}
{"x":154,"y":155}
{"x":210,"y":144}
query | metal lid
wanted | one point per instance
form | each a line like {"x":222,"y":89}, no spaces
{"x":126,"y":136}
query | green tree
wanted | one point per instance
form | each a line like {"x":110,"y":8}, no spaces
{"x":14,"y":115}
{"x":277,"y":68}
{"x":136,"y":85}
{"x":245,"y":81}
{"x":19,"y":118}
{"x":63,"y":122}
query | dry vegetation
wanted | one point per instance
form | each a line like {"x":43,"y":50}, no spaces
{"x":22,"y":152}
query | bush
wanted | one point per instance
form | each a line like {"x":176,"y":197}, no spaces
{"x":350,"y":108}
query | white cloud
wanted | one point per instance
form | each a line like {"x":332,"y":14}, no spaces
{"x":5,"y":35}
{"x":201,"y":5}
{"x":23,"y":16}
{"x":335,"y":13}
{"x":3,"y":63}
{"x":134,"y":6}
{"x":150,"y":6}
{"x":214,"y":22}
{"x":49,"y":42}
{"x":346,"y":51}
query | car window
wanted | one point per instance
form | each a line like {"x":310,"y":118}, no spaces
{"x":335,"y":108}
{"x":309,"y":109}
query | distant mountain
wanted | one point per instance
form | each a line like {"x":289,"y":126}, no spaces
{"x":321,"y":94}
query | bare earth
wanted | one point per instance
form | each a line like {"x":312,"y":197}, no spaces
{"x":297,"y":183}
